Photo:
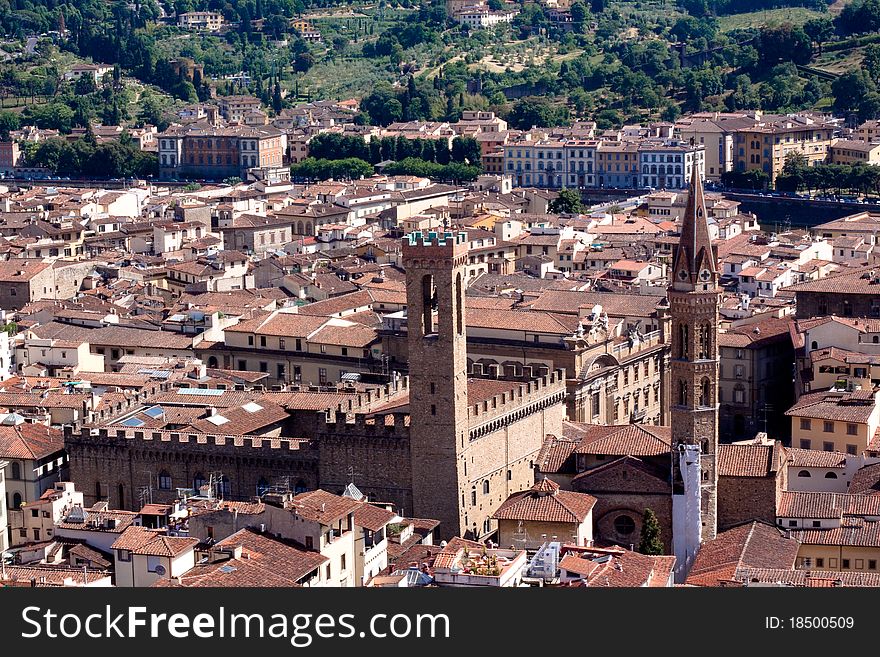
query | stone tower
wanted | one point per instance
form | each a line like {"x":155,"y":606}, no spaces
{"x":435,"y":264}
{"x":694,"y":299}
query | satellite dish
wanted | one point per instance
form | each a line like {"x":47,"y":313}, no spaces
{"x":160,"y":570}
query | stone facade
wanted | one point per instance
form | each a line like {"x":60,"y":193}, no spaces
{"x":694,"y":302}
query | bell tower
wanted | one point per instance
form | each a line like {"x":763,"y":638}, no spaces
{"x":694,"y":301}
{"x":437,"y":342}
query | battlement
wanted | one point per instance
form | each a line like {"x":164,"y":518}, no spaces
{"x":434,"y":244}
{"x":524,"y":397}
{"x":340,"y":424}
{"x":105,"y":435}
{"x":373,"y":396}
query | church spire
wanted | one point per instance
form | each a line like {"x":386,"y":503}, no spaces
{"x":695,"y":262}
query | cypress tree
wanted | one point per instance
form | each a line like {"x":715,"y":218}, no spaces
{"x":649,"y":541}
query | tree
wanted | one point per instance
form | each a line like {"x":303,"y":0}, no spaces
{"x":303,"y":62}
{"x":649,"y":541}
{"x":465,"y":149}
{"x":276,"y":98}
{"x":819,"y":30}
{"x":536,"y":111}
{"x":567,"y":202}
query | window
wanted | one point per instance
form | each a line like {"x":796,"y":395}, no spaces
{"x":806,"y":443}
{"x":262,"y":340}
{"x":250,"y":341}
{"x":828,"y":426}
{"x":327,"y":571}
{"x":828,"y":446}
{"x":264,"y":366}
{"x":804,"y":473}
{"x":851,"y":449}
{"x":805,"y":424}
{"x":844,"y":563}
{"x":820,"y":562}
{"x":342,"y":562}
{"x":16,"y":470}
{"x":486,"y":487}
{"x":817,"y":523}
{"x":123,"y":555}
{"x":242,"y":365}
{"x":473,"y":498}
{"x":792,"y":523}
{"x":281,"y":343}
{"x":872,"y":564}
{"x":852,"y":429}
{"x":164,"y":480}
{"x":624,"y":525}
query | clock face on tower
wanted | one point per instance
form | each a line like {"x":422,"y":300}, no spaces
{"x":705,"y":275}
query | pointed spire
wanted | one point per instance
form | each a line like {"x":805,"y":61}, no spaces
{"x":695,"y":254}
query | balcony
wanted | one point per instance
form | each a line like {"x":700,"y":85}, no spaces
{"x":637,"y":415}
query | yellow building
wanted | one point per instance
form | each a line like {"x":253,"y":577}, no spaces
{"x":836,"y":531}
{"x":835,"y":421}
{"x":765,"y":145}
{"x":845,"y":151}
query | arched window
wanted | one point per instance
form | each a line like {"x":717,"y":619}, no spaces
{"x":682,"y":393}
{"x":705,"y":342}
{"x":16,"y":471}
{"x":16,"y":501}
{"x":705,"y":393}
{"x":212,"y":362}
{"x":804,"y":474}
{"x":831,"y":475}
{"x":474,"y":497}
{"x":164,"y":480}
{"x":814,"y":345}
{"x":486,"y":487}
{"x":199,"y":481}
{"x":120,"y":496}
{"x":847,"y":309}
{"x":683,"y":339}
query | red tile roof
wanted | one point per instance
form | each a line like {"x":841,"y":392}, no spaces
{"x":545,"y":502}
{"x":755,"y":544}
{"x":266,"y":561}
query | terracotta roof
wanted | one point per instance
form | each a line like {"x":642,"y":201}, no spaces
{"x":266,"y":561}
{"x":808,"y":578}
{"x":826,"y":405}
{"x":755,"y":544}
{"x":616,"y":567}
{"x":321,"y":506}
{"x":619,"y":440}
{"x":853,"y":532}
{"x":140,"y":540}
{"x":555,"y":453}
{"x":372,"y":517}
{"x":866,"y":480}
{"x":29,"y":441}
{"x":815,"y":458}
{"x":819,"y":505}
{"x":748,"y":460}
{"x":545,"y":502}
